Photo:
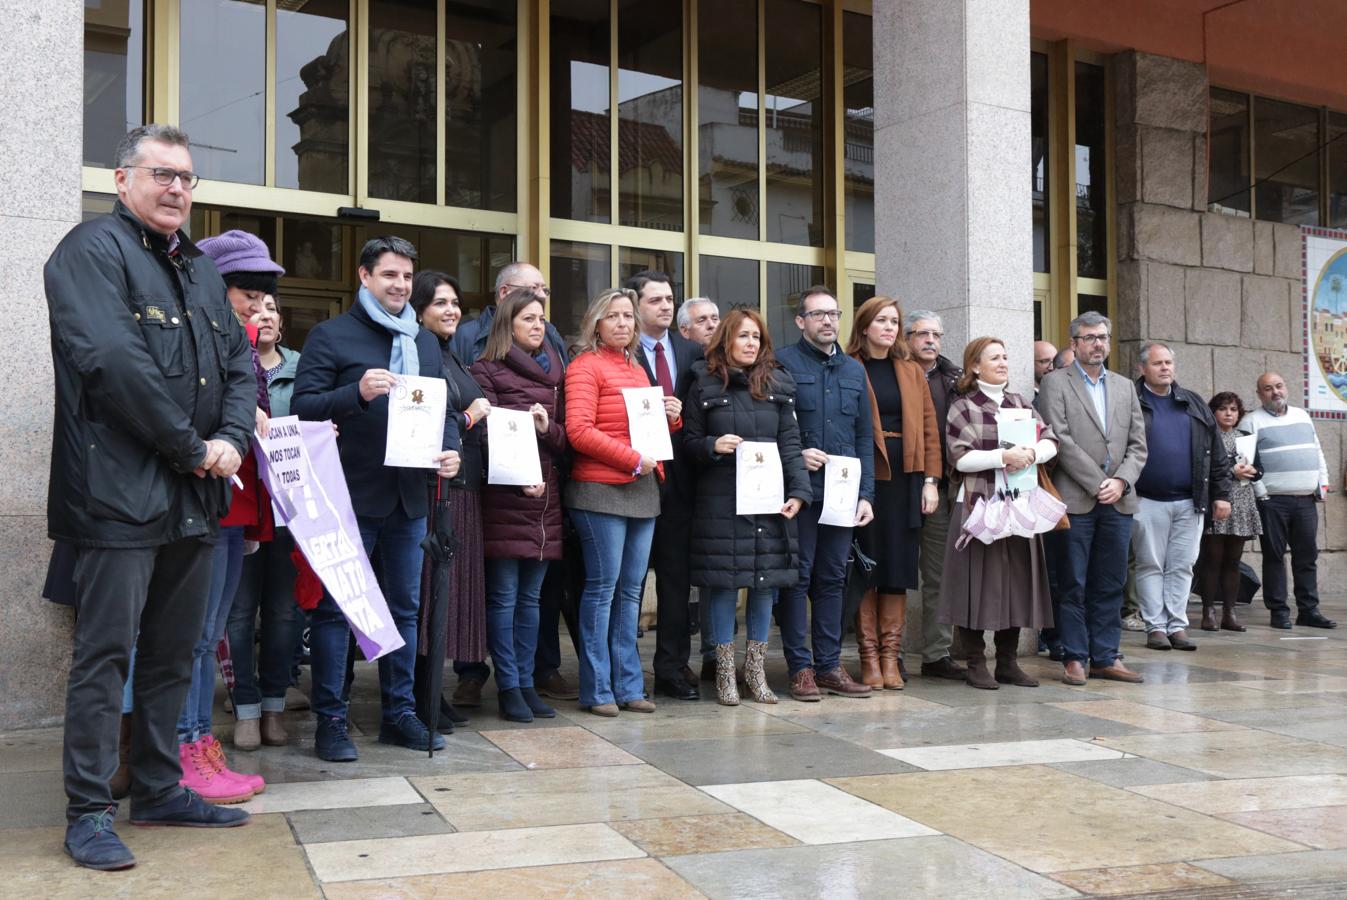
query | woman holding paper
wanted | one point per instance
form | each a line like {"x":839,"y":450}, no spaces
{"x":1002,"y":586}
{"x":613,"y":498}
{"x":739,"y":394}
{"x":522,"y":524}
{"x":1223,"y":543}
{"x":907,"y":475}
{"x":436,"y":299}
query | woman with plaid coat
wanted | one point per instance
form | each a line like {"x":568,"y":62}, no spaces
{"x":1002,"y":586}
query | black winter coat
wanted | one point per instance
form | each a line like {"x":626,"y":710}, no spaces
{"x":516,"y":526}
{"x":730,"y":551}
{"x":149,"y":363}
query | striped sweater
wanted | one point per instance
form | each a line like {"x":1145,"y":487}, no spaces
{"x":1288,"y":452}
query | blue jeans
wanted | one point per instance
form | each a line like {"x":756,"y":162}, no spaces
{"x":512,"y":590}
{"x":225,"y":564}
{"x":823,"y":573}
{"x":1090,"y":577}
{"x":616,"y":551}
{"x":266,"y":584}
{"x":757,"y":614}
{"x":397,"y":541}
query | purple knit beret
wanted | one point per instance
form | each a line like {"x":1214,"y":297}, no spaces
{"x":239,"y":251}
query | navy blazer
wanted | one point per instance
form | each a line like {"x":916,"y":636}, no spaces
{"x":327,"y":386}
{"x":676,"y":488}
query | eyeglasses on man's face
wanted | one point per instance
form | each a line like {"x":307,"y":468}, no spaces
{"x":1092,"y":338}
{"x":536,"y":288}
{"x":818,"y":315}
{"x":926,"y":334}
{"x":164,"y":176}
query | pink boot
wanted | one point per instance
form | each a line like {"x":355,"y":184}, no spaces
{"x":200,"y":775}
{"x":215,"y":752}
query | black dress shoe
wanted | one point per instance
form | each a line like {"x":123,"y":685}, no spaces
{"x":1281,"y":622}
{"x":676,"y":688}
{"x":1315,"y":619}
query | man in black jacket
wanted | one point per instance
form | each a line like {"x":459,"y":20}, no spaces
{"x":348,"y":368}
{"x":1186,"y":476}
{"x":667,"y":358}
{"x":155,"y":399}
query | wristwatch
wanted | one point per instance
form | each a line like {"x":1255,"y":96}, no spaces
{"x":931,"y":479}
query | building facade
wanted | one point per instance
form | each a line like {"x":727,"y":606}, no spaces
{"x":1009,"y":163}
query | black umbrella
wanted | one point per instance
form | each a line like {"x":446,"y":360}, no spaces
{"x":440,"y":545}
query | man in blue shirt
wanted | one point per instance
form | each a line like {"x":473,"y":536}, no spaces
{"x":833,"y":409}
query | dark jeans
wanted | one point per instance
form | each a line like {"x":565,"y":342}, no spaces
{"x":559,"y":600}
{"x":823,"y":571}
{"x":512,"y":588}
{"x":1091,"y":578}
{"x":397,"y":541}
{"x":669,"y":552}
{"x":161,"y":591}
{"x":1290,"y":523}
{"x":266,"y":586}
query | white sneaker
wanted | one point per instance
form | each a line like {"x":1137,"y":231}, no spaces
{"x":1133,"y":622}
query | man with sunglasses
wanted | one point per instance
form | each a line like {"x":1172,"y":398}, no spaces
{"x":155,"y":400}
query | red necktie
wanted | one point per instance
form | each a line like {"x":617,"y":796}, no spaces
{"x":662,"y":371}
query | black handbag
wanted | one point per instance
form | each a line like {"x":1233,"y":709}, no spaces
{"x":860,"y":578}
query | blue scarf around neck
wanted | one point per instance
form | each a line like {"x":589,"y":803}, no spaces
{"x":404,"y":360}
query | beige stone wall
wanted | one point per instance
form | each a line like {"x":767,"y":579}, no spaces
{"x":1224,"y":291}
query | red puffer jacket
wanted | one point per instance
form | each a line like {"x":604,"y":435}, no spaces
{"x":514,"y":525}
{"x":596,"y":416}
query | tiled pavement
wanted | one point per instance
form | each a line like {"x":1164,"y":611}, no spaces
{"x":1225,"y":775}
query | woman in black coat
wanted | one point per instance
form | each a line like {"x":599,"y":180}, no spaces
{"x":740,"y":394}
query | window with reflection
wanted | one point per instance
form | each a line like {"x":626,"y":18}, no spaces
{"x":727,"y":119}
{"x":631,"y":260}
{"x":1096,"y":303}
{"x":1228,"y":148}
{"x":480,"y":50}
{"x":581,"y":142}
{"x":402,"y":126}
{"x":472,"y":258}
{"x":114,"y":76}
{"x":1286,"y":162}
{"x":311,"y":249}
{"x":650,"y":114}
{"x":794,"y":122}
{"x":1336,"y":148}
{"x":579,"y":272}
{"x":1038,"y":125}
{"x":785,"y":283}
{"x":1091,"y":190}
{"x":858,"y":97}
{"x":729,"y":281}
{"x":222,"y":92}
{"x":313,"y":64}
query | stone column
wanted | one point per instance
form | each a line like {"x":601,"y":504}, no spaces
{"x":953,"y":229}
{"x":42,"y":45}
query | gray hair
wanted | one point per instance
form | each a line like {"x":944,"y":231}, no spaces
{"x":128,"y":150}
{"x":510,"y":272}
{"x":916,"y":315}
{"x":685,"y":311}
{"x":1059,"y":361}
{"x":1147,"y":346}
{"x":1089,"y":320}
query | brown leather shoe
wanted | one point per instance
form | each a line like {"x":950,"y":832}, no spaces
{"x":607,"y":710}
{"x":468,"y":693}
{"x":273,"y":731}
{"x":1209,"y":620}
{"x":839,"y":682}
{"x":1230,"y":621}
{"x":639,"y":705}
{"x":1074,"y":673}
{"x":1116,"y":672}
{"x":944,"y":667}
{"x":556,"y":687}
{"x":803,"y":687}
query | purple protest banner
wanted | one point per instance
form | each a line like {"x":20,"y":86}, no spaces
{"x":302,"y":470}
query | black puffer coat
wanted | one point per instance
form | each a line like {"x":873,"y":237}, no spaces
{"x":730,"y":551}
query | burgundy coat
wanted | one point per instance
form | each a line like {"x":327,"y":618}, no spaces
{"x":515,"y":526}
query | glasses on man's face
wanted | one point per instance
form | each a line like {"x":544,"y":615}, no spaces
{"x":818,"y":315}
{"x":164,"y":176}
{"x":536,"y":288}
{"x":1093,"y":338}
{"x":926,"y":334}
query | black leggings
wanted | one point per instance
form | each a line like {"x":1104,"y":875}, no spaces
{"x":1220,"y":568}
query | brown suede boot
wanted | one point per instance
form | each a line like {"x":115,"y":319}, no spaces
{"x":1209,"y":620}
{"x":1229,"y":621}
{"x":121,"y":779}
{"x":1008,"y":669}
{"x":867,"y":640}
{"x":975,"y":645}
{"x":892,"y":616}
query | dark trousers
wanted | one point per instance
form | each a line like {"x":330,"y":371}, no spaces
{"x":1091,"y":578}
{"x":267,"y":585}
{"x":1290,"y":523}
{"x":160,"y":592}
{"x":669,"y":554}
{"x":823,"y":571}
{"x":1054,"y":552}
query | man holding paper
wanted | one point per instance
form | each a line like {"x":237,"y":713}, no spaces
{"x":351,"y":365}
{"x":835,"y":432}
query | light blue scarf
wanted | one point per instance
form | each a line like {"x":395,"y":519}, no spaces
{"x":404,"y":360}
